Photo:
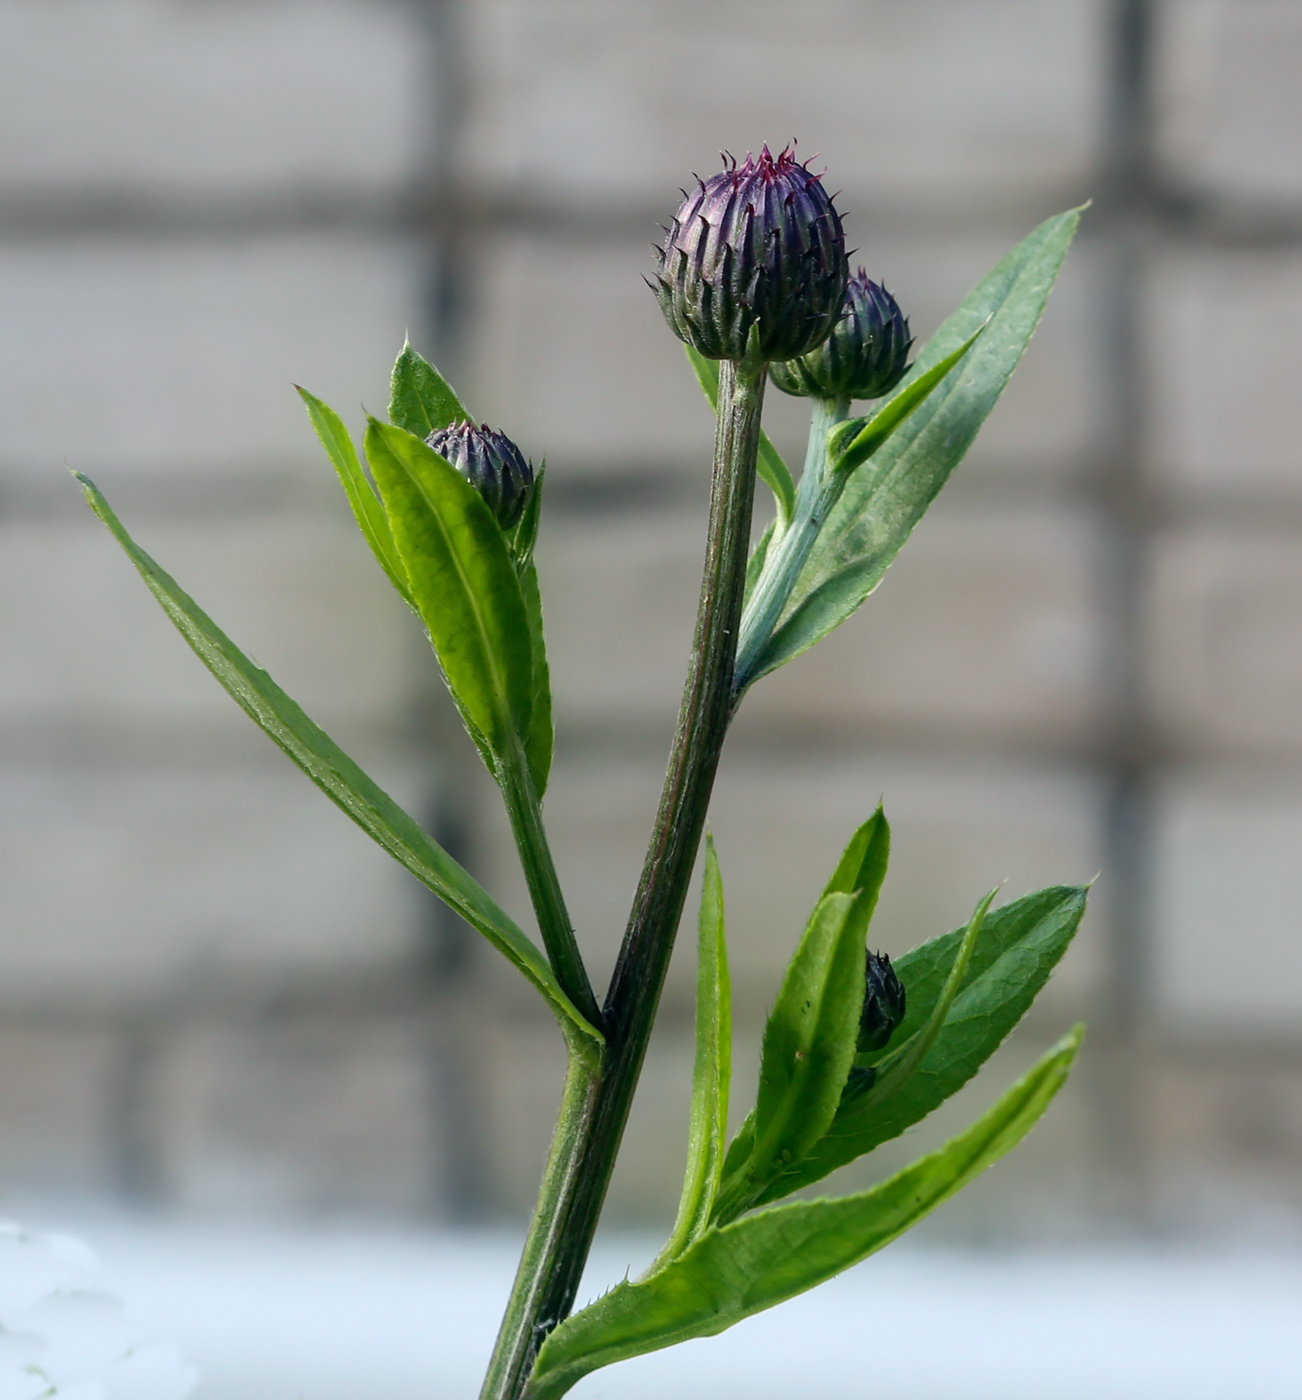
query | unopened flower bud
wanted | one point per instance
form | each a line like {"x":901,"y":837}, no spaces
{"x":758,"y":247}
{"x":865,"y":356}
{"x":493,"y":465}
{"x":883,"y":1003}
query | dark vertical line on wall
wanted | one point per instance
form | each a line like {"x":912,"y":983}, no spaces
{"x":1127,"y":206}
{"x":458,"y":1172}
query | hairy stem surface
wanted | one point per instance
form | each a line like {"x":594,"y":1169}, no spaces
{"x":554,"y":924}
{"x":653,"y":923}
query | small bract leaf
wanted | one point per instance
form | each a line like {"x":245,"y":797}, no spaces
{"x":420,"y":400}
{"x":739,"y":1270}
{"x":342,"y":781}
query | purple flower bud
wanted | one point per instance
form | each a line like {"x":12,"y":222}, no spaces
{"x":865,"y":356}
{"x":883,"y":1003}
{"x":757,"y":246}
{"x":493,"y":465}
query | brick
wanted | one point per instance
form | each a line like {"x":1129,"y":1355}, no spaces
{"x":1227,"y":960}
{"x":300,"y":1118}
{"x":1223,"y":337}
{"x":1228,"y":109}
{"x":180,"y":357}
{"x":55,"y":1087}
{"x":983,"y":101}
{"x":133,"y":99}
{"x":987,"y":625}
{"x":781,"y":822}
{"x":1225,"y":672}
{"x":569,"y":349}
{"x":85,"y":644}
{"x":123,"y":887}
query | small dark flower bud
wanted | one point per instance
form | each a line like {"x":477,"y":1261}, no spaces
{"x":883,"y":1003}
{"x":493,"y":465}
{"x":865,"y":356}
{"x":758,"y":247}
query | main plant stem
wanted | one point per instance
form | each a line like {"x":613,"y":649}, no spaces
{"x":592,"y":1124}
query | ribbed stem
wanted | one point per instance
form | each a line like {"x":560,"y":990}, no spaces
{"x":526,"y":1319}
{"x":648,"y":942}
{"x":525,"y":812}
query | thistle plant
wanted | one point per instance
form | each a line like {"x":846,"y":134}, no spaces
{"x":753,"y":277}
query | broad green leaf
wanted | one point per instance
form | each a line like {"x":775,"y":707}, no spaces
{"x":366,"y":506}
{"x":772,"y":468}
{"x":851,"y":444}
{"x":421,"y":401}
{"x":886,"y":498}
{"x":464,"y":581}
{"x":1019,"y":947}
{"x":739,"y":1270}
{"x":712,"y":1071}
{"x":860,"y":871}
{"x":808,"y":1048}
{"x":342,"y":781}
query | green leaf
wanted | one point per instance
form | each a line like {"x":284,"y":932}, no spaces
{"x":540,"y":739}
{"x":525,"y":534}
{"x":854,"y":442}
{"x":886,"y":498}
{"x":1019,"y":947}
{"x":859,"y":872}
{"x":739,"y":1270}
{"x":465,"y":584}
{"x":808,"y":1048}
{"x":712,"y":1071}
{"x":367,"y":509}
{"x":421,"y":401}
{"x":342,"y":781}
{"x":772,"y":468}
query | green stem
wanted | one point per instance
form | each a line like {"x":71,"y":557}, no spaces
{"x":680,"y":822}
{"x":815,"y":496}
{"x":526,"y":1320}
{"x":525,"y":811}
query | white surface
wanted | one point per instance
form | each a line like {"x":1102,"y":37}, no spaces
{"x":356,"y":1315}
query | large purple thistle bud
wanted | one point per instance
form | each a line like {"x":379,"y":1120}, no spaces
{"x":759,"y":245}
{"x":865,"y":356}
{"x":493,"y":465}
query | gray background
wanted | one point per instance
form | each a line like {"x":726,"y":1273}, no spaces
{"x":216,"y":997}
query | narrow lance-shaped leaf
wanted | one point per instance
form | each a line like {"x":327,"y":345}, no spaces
{"x":465,"y":584}
{"x":1019,"y":947}
{"x":772,"y":469}
{"x":739,"y":1270}
{"x":366,"y":506}
{"x":860,"y":871}
{"x":347,"y":786}
{"x":421,"y":401}
{"x":885,"y":499}
{"x":712,"y":1070}
{"x":851,"y":444}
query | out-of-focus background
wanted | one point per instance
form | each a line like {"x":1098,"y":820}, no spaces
{"x":217,"y":1001}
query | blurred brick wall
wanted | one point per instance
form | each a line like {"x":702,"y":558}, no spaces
{"x":214,"y":994}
